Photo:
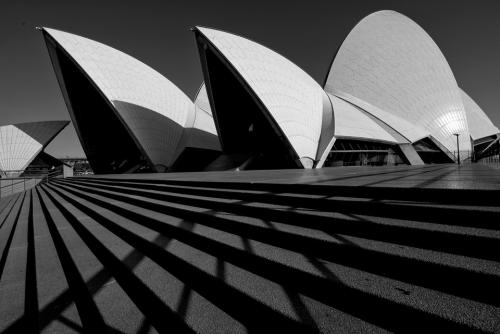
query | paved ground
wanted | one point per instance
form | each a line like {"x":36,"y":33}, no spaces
{"x":469,"y":176}
{"x":403,"y":249}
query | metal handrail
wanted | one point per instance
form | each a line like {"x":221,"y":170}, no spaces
{"x":24,"y":176}
{"x":17,"y":178}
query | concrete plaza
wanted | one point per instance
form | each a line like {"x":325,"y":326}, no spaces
{"x":397,"y":249}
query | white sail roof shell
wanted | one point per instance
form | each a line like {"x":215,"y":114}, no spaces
{"x":291,"y":96}
{"x":20,"y":143}
{"x":409,"y":131}
{"x":480,"y":125}
{"x":351,"y":122}
{"x":124,"y":78}
{"x":390,"y":62}
{"x":139,"y":94}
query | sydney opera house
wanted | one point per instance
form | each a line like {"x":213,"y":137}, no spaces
{"x":389,"y":98}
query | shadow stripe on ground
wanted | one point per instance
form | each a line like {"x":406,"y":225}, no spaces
{"x":471,"y":217}
{"x":477,"y":246}
{"x":161,"y":317}
{"x":209,"y":287}
{"x":197,"y":242}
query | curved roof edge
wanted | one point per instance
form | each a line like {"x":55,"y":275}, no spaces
{"x":409,"y":131}
{"x":327,"y":137}
{"x":327,"y":75}
{"x":352,"y":122}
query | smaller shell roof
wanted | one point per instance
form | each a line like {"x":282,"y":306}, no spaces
{"x":43,"y":132}
{"x":409,"y":131}
{"x":351,"y":122}
{"x":20,"y":143}
{"x":480,"y":125}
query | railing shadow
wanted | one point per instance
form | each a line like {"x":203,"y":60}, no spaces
{"x":6,"y":248}
{"x":80,"y":293}
{"x":90,"y":197}
{"x":427,"y":274}
{"x":330,"y":292}
{"x":455,"y":216}
{"x":480,"y":247}
{"x":163,"y":318}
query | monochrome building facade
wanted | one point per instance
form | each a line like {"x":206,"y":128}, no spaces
{"x":390,"y":97}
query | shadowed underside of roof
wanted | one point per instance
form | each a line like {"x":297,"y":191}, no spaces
{"x":43,"y":132}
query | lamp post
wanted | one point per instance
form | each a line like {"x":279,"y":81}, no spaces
{"x":458,"y":148}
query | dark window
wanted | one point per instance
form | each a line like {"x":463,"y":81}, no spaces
{"x":346,"y":152}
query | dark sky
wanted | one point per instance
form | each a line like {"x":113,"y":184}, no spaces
{"x":157,"y":33}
